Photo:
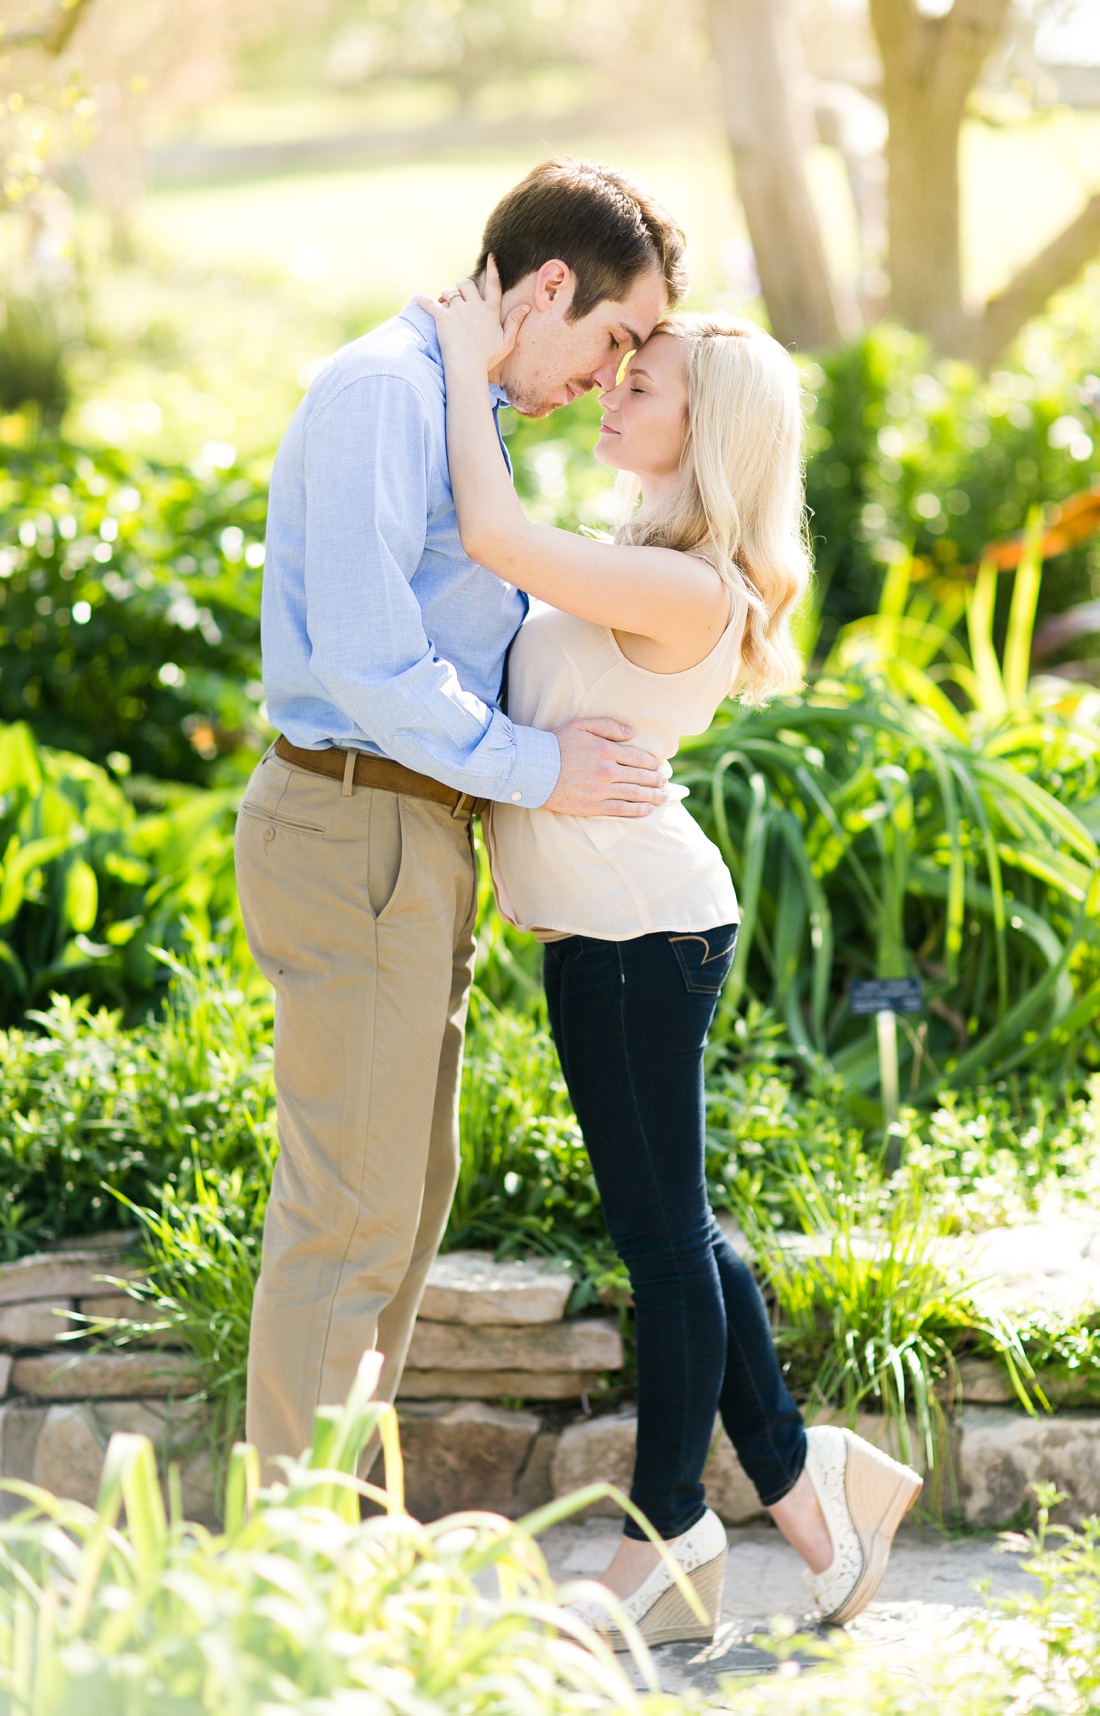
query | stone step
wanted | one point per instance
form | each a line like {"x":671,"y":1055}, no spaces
{"x":119,"y":1307}
{"x":462,"y":1454}
{"x":497,"y":1384}
{"x":61,"y":1447}
{"x":1002,"y":1453}
{"x":35,"y":1322}
{"x":986,"y":1382}
{"x":471,"y":1287}
{"x":67,"y":1274}
{"x":1052,"y":1265}
{"x":102,"y":1375}
{"x":467,"y":1454}
{"x":456,"y":1454}
{"x":589,"y":1343}
{"x":114,"y":1304}
{"x":998,"y":1453}
{"x":601,"y":1451}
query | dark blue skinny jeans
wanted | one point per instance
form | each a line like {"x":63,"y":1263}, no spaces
{"x":630,"y":1020}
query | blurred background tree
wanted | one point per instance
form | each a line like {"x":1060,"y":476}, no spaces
{"x":892,"y":102}
{"x":932,"y":56}
{"x":44,"y":114}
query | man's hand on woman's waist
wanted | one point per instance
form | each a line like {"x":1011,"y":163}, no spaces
{"x":602,"y":774}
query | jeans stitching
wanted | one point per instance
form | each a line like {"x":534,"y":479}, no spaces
{"x":690,"y":976}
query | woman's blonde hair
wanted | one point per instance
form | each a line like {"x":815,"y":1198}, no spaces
{"x":739,"y":499}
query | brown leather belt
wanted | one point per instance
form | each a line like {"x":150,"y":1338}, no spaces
{"x":359,"y":769}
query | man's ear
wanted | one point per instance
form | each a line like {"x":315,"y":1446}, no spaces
{"x":553,"y":286}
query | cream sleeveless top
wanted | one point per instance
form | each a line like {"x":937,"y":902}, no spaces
{"x":610,"y":877}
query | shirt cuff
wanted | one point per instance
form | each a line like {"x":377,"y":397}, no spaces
{"x":536,"y":770}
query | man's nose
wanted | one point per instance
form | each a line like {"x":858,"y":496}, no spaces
{"x":607,"y":377}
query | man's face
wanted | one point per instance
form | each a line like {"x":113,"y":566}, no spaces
{"x":555,"y":360}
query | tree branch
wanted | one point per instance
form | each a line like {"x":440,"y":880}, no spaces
{"x":966,"y":36}
{"x":941,"y":54}
{"x":55,"y":36}
{"x":985,"y":336}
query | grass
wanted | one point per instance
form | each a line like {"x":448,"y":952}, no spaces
{"x":1020,"y":185}
{"x":870,"y":1312}
{"x":203,"y":1251}
{"x":378,"y":235}
{"x":299,"y":1606}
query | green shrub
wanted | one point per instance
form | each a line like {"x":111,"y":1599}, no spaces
{"x":36,"y":328}
{"x":525,"y":1182}
{"x":89,"y":1109}
{"x":908,"y":455}
{"x":88,"y":882}
{"x":918,"y":810}
{"x":129,"y":608}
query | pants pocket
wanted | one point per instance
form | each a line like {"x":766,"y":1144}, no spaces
{"x":705,"y":957}
{"x":276,"y":820}
{"x":384,"y":848}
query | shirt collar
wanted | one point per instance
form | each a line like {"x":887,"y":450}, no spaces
{"x":426,"y":328}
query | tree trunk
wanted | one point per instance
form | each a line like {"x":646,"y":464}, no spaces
{"x":929,"y":67}
{"x":922,"y":165}
{"x":759,"y":60}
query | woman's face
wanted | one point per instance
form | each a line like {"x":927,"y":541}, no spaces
{"x":645,"y":414}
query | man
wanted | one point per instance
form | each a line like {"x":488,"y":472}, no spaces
{"x":384,"y":650}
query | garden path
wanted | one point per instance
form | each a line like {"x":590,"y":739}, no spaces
{"x":929,"y":1584}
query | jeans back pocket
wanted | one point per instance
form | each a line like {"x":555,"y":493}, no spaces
{"x":705,"y":957}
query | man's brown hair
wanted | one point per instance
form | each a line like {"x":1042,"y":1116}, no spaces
{"x":599,"y":222}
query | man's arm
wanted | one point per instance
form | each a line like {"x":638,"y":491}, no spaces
{"x":367,"y":455}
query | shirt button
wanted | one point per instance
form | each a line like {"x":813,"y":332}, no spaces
{"x":516,"y":796}
{"x":269,"y":834}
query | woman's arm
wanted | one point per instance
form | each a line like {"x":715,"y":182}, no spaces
{"x":655,"y":593}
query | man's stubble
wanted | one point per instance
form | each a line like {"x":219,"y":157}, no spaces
{"x":530,"y":403}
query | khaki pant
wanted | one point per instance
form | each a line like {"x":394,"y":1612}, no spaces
{"x":359,"y":909}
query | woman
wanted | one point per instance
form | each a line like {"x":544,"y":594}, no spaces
{"x":690,"y":604}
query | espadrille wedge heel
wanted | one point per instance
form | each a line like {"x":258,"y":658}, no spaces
{"x":658,"y":1608}
{"x":864,"y":1495}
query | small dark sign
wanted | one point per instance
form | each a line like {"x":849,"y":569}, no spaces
{"x":886,"y":995}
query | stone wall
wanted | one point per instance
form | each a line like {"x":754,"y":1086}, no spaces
{"x":493,"y":1405}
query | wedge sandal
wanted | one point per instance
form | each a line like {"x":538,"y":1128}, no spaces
{"x":658,"y":1608}
{"x":864,"y":1495}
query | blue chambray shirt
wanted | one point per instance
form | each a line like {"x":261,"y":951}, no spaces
{"x":378,"y":631}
